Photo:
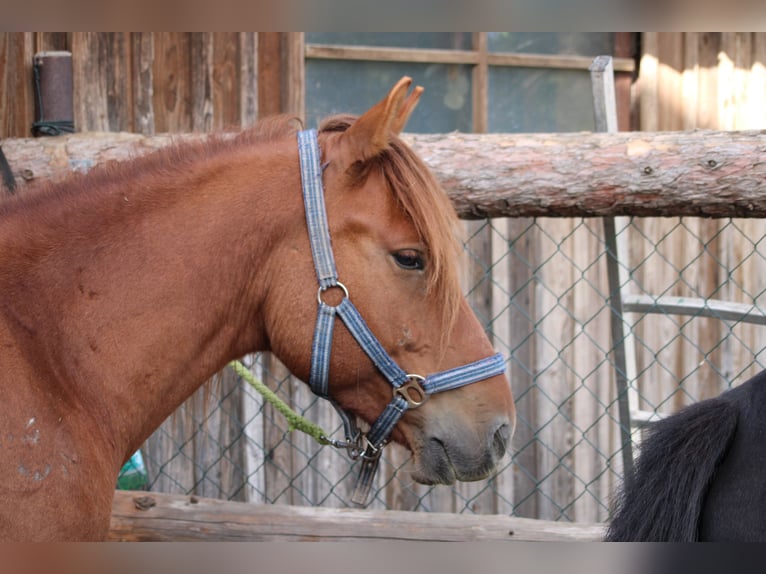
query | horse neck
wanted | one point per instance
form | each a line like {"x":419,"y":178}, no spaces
{"x":141,"y":303}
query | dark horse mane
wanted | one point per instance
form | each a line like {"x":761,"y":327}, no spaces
{"x":663,"y":499}
{"x":700,"y":473}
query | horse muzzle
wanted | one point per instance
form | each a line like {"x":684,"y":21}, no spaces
{"x":451,"y":455}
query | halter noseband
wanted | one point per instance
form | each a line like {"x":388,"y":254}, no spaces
{"x":409,"y":390}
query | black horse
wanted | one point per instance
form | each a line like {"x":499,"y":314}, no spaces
{"x":701,"y":474}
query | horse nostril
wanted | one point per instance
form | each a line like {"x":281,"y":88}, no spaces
{"x":501,"y":438}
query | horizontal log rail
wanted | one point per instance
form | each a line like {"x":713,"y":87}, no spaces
{"x":696,"y":173}
{"x":154,"y":516}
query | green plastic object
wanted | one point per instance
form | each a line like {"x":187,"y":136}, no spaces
{"x":133,"y":474}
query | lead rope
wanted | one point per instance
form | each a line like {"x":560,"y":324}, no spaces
{"x":294,"y":420}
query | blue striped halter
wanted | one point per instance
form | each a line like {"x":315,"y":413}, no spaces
{"x":409,"y":390}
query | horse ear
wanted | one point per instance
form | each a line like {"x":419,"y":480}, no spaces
{"x":406,"y":110}
{"x":371,"y":133}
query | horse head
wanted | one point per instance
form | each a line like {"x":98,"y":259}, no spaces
{"x":393,"y":238}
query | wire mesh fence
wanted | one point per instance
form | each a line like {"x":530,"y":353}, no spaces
{"x":540,"y":288}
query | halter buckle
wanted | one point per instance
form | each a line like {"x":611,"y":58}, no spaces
{"x":412,"y":391}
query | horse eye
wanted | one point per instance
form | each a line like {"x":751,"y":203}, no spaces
{"x":410,"y":260}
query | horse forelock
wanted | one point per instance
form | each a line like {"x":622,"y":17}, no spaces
{"x":422,"y":200}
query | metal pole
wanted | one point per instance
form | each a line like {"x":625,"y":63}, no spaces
{"x":605,"y":114}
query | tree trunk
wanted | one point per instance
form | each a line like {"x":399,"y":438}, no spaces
{"x":696,"y":173}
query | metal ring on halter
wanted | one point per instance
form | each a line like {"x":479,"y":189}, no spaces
{"x":413,"y":386}
{"x":323,"y":289}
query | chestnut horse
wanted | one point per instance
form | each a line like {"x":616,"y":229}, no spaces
{"x":123,"y":290}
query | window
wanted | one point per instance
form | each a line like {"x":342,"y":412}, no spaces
{"x":494,"y":81}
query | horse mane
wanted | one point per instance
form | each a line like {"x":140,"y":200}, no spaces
{"x":662,"y":500}
{"x":421,"y":198}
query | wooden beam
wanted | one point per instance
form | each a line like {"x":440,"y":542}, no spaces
{"x":696,"y":173}
{"x":154,"y":516}
{"x":378,"y":54}
{"x":471,"y":57}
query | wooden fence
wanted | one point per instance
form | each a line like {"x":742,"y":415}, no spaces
{"x":157,"y":517}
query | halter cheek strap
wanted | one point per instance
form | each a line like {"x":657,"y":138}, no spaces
{"x":409,"y":390}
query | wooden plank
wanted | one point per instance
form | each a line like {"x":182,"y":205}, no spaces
{"x":89,"y":69}
{"x":201,"y":75}
{"x":172,"y":82}
{"x":17,"y":104}
{"x":383,"y":54}
{"x":248,"y":78}
{"x":669,"y":93}
{"x":225,"y":80}
{"x":690,"y":80}
{"x":554,"y":330}
{"x":278,"y":468}
{"x":480,"y":84}
{"x":143,"y":82}
{"x":52,"y":41}
{"x":499,"y":330}
{"x":141,"y":516}
{"x":648,"y":84}
{"x":709,"y":48}
{"x":294,"y":74}
{"x":469,"y":57}
{"x":119,"y":92}
{"x":269,"y":74}
{"x":757,"y":93}
{"x":593,"y":385}
{"x":477,"y":284}
{"x":562,"y":62}
{"x":254,"y":453}
{"x":223,"y":458}
{"x":524,"y":241}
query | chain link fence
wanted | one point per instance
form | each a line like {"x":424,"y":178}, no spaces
{"x":540,"y":287}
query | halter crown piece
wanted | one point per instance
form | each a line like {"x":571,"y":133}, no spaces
{"x":409,"y":390}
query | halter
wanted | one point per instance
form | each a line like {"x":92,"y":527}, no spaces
{"x":409,"y":390}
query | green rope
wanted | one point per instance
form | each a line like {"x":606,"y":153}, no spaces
{"x":294,"y":420}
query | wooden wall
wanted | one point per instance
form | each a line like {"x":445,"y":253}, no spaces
{"x":138,"y":82}
{"x":687,"y":81}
